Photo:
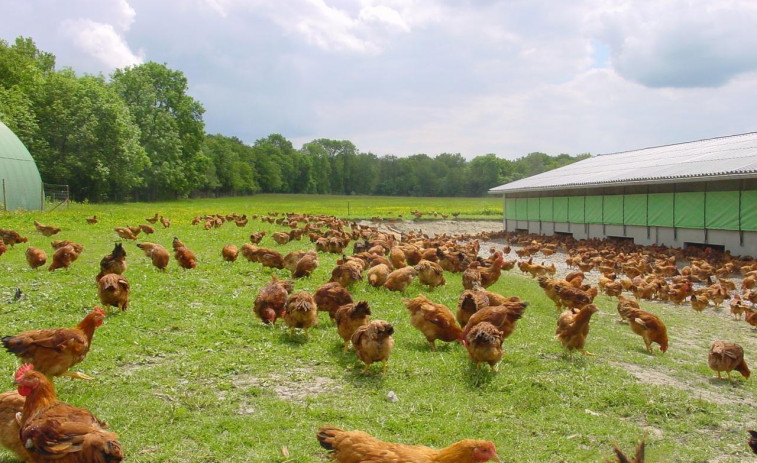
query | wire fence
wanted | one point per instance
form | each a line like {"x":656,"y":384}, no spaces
{"x":56,"y":195}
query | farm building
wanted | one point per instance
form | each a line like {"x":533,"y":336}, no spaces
{"x":701,"y":192}
{"x":19,"y":177}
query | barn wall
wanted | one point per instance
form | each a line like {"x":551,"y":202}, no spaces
{"x":672,"y":215}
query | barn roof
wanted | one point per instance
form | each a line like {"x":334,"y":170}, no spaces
{"x":712,"y":159}
{"x":21,"y":182}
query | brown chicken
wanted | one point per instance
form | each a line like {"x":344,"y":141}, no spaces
{"x":727,"y":356}
{"x":572,"y":328}
{"x":301,"y":312}
{"x":113,"y":290}
{"x":157,"y":254}
{"x":750,"y":316}
{"x":3,"y":247}
{"x":291,"y":259}
{"x":434,"y":320}
{"x":52,"y":430}
{"x":92,"y":220}
{"x":624,"y":307}
{"x":349,"y":318}
{"x":63,"y":257}
{"x":125,"y":233}
{"x":470,"y":302}
{"x":377,"y":275}
{"x":400,"y":279}
{"x":46,"y":230}
{"x":35,"y":257}
{"x":484,"y":344}
{"x":347,"y":273}
{"x":621,"y":457}
{"x":573,"y":297}
{"x":360,"y":447}
{"x":165,"y":222}
{"x":503,"y":317}
{"x":373,"y":343}
{"x":184,"y":257}
{"x":54,"y":351}
{"x":738,"y":306}
{"x":11,"y":404}
{"x":11,"y":237}
{"x":649,"y":327}
{"x":471,"y":276}
{"x":271,"y":300}
{"x":330,"y":296}
{"x":152,"y":219}
{"x":147,"y":229}
{"x":430,"y":273}
{"x":257,"y":237}
{"x":306,"y":265}
{"x":490,"y":275}
{"x":229,"y":253}
{"x":699,"y":302}
{"x":115,"y":262}
{"x":752,"y":440}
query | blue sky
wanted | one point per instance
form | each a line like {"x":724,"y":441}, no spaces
{"x":402,"y":77}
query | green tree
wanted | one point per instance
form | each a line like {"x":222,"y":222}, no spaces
{"x":172,"y":130}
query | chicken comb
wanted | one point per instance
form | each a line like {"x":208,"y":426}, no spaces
{"x":98,"y":310}
{"x":23,"y":369}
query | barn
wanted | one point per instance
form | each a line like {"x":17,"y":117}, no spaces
{"x":697,"y":193}
{"x":20,"y":179}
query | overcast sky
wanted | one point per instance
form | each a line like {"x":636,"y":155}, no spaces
{"x":403,"y":77}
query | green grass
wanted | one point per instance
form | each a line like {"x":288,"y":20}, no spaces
{"x":189,"y":374}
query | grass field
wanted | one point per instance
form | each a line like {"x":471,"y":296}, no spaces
{"x":188,"y":374}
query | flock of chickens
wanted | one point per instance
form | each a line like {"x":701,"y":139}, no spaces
{"x":38,"y":427}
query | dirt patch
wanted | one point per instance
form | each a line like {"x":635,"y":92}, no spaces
{"x":297,"y":385}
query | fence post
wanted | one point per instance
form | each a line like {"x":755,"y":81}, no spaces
{"x":5,"y":200}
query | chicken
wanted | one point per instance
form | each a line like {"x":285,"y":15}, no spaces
{"x":470,"y":302}
{"x":301,"y":312}
{"x":649,"y":327}
{"x":113,"y":289}
{"x":115,"y":262}
{"x":125,"y":233}
{"x":430,"y":273}
{"x":750,"y":316}
{"x":92,"y":220}
{"x":752,"y":440}
{"x":471,"y":276}
{"x":571,"y":296}
{"x":35,"y":257}
{"x":306,"y":265}
{"x":490,"y":275}
{"x":54,"y":351}
{"x":377,"y":275}
{"x":503,"y":317}
{"x":738,"y":306}
{"x":347,"y":273}
{"x":271,"y":300}
{"x":400,"y":279}
{"x":229,"y":253}
{"x":727,"y":356}
{"x":349,"y":318}
{"x":434,"y":320}
{"x":157,"y":254}
{"x":4,"y":248}
{"x":11,"y":404}
{"x":257,"y":237}
{"x":699,"y":302}
{"x":147,"y":229}
{"x":166,"y":222}
{"x":184,"y":257}
{"x":330,"y":296}
{"x":11,"y":237}
{"x":290,"y":260}
{"x":624,"y":307}
{"x":152,"y":219}
{"x":620,"y":457}
{"x":484,"y":344}
{"x":63,"y":257}
{"x":572,"y":328}
{"x":52,"y":430}
{"x":360,"y":447}
{"x":46,"y":230}
{"x":373,"y":343}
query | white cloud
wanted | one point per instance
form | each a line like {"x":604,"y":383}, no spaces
{"x":101,"y":41}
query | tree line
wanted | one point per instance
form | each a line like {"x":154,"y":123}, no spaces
{"x":138,"y":135}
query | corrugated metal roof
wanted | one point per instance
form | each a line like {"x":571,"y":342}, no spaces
{"x":733,"y":156}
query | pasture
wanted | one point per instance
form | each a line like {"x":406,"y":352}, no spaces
{"x":188,"y":374}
